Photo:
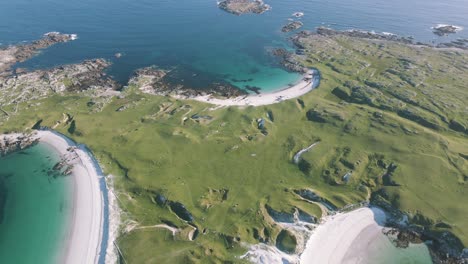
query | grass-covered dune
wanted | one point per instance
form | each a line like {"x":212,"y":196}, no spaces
{"x":390,"y":115}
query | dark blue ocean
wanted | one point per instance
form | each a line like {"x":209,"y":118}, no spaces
{"x":207,"y":43}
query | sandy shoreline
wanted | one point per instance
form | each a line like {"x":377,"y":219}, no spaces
{"x":88,"y":237}
{"x":308,"y":82}
{"x":336,"y":240}
{"x":86,"y":227}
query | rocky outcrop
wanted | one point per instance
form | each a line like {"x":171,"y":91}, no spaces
{"x":458,"y":44}
{"x":324,"y":31}
{"x":294,"y":25}
{"x":157,"y":81}
{"x":290,"y":60}
{"x":443,"y":30}
{"x":239,"y":7}
{"x":26,"y":86}
{"x":13,"y":54}
{"x":13,"y":143}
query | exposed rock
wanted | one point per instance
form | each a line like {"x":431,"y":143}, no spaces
{"x":239,"y":7}
{"x":294,"y":25}
{"x":13,"y":143}
{"x":443,"y":30}
{"x":459,"y":44}
{"x":298,"y":14}
{"x":402,"y":238}
{"x":359,"y":34}
{"x":290,"y":60}
{"x":84,"y":76}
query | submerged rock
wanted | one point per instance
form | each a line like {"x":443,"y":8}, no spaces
{"x":153,"y":80}
{"x":239,"y":7}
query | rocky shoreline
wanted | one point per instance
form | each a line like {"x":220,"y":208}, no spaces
{"x":15,"y":142}
{"x":20,"y":85}
{"x":239,"y":7}
{"x":19,"y":53}
{"x":153,"y":80}
{"x":404,"y":229}
{"x":23,"y":86}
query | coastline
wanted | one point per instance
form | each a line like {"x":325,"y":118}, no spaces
{"x":86,"y":223}
{"x":308,"y":82}
{"x":87,"y":235}
{"x":331,"y":240}
{"x":356,"y":237}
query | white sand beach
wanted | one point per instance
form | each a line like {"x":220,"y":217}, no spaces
{"x":86,"y":234}
{"x":86,"y":227}
{"x":343,"y":237}
{"x":304,"y":86}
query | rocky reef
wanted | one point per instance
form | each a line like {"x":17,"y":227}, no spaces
{"x":239,"y":7}
{"x":443,"y":30}
{"x":291,"y":26}
{"x":157,"y":81}
{"x":18,"y":53}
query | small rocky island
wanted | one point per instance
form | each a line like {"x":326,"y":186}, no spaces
{"x":239,"y":7}
{"x":444,"y":30}
{"x":291,"y":26}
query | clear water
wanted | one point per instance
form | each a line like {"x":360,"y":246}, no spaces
{"x":208,"y":43}
{"x":384,"y":252}
{"x":34,"y":207}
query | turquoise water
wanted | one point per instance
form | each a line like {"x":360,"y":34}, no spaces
{"x":34,"y":207}
{"x":209,"y":44}
{"x":379,"y":249}
{"x":384,"y":252}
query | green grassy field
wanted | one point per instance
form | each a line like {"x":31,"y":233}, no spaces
{"x":153,"y":146}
